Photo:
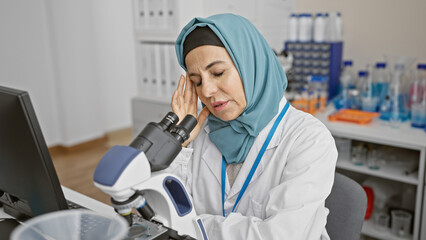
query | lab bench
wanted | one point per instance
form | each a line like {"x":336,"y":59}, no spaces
{"x":408,"y":141}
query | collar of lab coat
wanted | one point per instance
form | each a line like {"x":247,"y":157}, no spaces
{"x":213,"y":157}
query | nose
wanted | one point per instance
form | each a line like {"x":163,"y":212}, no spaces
{"x":209,"y":87}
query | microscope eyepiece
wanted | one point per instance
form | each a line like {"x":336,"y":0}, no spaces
{"x":181,"y":132}
{"x":169,"y":121}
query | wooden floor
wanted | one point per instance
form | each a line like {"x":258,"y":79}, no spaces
{"x":75,"y":168}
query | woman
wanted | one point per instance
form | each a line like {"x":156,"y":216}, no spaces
{"x":257,"y":168}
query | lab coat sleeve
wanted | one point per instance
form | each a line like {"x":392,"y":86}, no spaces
{"x":295,"y":208}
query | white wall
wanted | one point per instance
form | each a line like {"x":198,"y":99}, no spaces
{"x":25,"y":59}
{"x":373,"y":28}
{"x":76,"y":59}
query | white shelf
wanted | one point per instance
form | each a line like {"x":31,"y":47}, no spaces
{"x":386,"y":171}
{"x":369,"y":229}
{"x":377,"y":132}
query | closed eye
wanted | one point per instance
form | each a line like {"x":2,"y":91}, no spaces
{"x":218,"y":74}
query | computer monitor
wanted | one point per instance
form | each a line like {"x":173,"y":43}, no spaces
{"x":29,"y":185}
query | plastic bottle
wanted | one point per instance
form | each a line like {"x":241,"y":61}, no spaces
{"x":347,"y":76}
{"x":310,"y":26}
{"x":381,"y":79}
{"x":319,"y":28}
{"x":418,"y":98}
{"x":304,"y":28}
{"x":368,"y":100}
{"x":362,"y":83}
{"x":347,"y":82}
{"x":323,"y":94}
{"x":294,"y":27}
{"x":331,"y":31}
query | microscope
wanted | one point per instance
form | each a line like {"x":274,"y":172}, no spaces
{"x":140,"y":191}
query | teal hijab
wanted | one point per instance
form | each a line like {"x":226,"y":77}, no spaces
{"x":262,"y":75}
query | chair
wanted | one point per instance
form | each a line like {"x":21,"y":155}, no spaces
{"x":347,"y":203}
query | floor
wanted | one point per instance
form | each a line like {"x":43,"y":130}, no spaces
{"x":75,"y":169}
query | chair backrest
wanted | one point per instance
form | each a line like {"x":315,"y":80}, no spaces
{"x":347,"y":203}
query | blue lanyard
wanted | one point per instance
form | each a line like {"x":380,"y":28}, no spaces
{"x":255,"y":164}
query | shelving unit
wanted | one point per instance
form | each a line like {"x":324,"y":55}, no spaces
{"x":378,"y":132}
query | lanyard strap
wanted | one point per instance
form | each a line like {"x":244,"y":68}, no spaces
{"x":255,"y":164}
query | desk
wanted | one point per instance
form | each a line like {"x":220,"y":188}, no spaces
{"x":80,"y":199}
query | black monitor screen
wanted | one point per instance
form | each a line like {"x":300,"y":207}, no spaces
{"x":29,"y":185}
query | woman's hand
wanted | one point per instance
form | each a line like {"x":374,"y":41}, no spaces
{"x":185,"y":102}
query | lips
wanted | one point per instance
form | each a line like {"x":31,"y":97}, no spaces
{"x":219,"y":105}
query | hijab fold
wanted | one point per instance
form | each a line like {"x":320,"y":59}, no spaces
{"x":262,"y":75}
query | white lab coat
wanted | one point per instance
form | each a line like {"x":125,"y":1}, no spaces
{"x":285,"y":198}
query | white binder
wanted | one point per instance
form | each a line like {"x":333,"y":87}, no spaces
{"x":145,"y":81}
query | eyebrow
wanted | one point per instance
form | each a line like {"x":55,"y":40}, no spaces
{"x":207,"y":67}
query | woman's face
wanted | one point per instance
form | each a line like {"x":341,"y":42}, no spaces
{"x":217,"y":81}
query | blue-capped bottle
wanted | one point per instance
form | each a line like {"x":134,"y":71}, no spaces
{"x":381,"y":81}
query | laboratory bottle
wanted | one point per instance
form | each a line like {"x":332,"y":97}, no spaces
{"x":368,"y":100}
{"x":310,"y":30}
{"x":347,"y":82}
{"x":319,"y":28}
{"x":323,"y":94}
{"x":347,"y":76}
{"x":416,"y":86}
{"x":385,"y":108}
{"x":330,"y":26}
{"x":294,"y":27}
{"x":381,"y":80}
{"x":339,"y":27}
{"x":395,"y":117}
{"x":362,"y":83}
{"x":418,"y":98}
{"x":303,"y":28}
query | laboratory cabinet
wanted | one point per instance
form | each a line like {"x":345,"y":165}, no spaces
{"x":400,"y":167}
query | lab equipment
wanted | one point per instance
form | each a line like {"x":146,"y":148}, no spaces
{"x":72,"y":224}
{"x":305,"y":27}
{"x":381,"y":221}
{"x":347,"y":82}
{"x":319,"y":28}
{"x":132,"y":176}
{"x":418,"y":98}
{"x":397,"y":109}
{"x":373,"y":159}
{"x":369,"y":100}
{"x":381,"y":80}
{"x":401,"y":222}
{"x":353,"y":115}
{"x":294,"y":27}
{"x":359,"y":154}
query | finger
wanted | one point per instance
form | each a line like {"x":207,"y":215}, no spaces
{"x":188,"y":89}
{"x":180,"y":84}
{"x":203,"y":115}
